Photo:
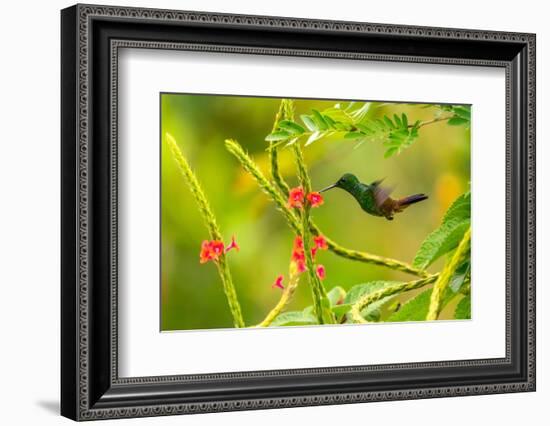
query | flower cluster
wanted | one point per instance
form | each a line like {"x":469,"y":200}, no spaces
{"x":297,"y":198}
{"x":298,"y":259}
{"x":213,"y":249}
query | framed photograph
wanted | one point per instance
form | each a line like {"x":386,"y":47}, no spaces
{"x":263,"y":212}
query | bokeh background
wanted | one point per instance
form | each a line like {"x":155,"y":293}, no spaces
{"x":437,"y":164}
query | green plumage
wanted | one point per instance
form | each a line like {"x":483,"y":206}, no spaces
{"x":374,"y":199}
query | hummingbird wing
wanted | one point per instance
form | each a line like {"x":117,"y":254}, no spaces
{"x":381,"y":192}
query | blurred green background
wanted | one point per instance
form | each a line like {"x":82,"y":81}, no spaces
{"x":437,"y":164}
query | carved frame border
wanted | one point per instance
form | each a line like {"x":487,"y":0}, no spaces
{"x":85,"y":13}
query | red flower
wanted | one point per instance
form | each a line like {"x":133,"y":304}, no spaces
{"x":278,"y":283}
{"x":320,"y":242}
{"x":233,"y":245}
{"x":314,"y":251}
{"x":321,"y":272}
{"x":217,"y":248}
{"x":301,"y":266}
{"x":205,"y":254}
{"x":298,"y":257}
{"x":211,"y":250}
{"x":315,"y":199}
{"x":298,"y":243}
{"x":296,"y":197}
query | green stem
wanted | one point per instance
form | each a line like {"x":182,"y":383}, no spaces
{"x":234,"y":148}
{"x":441,"y":284}
{"x":317,"y":289}
{"x":370,"y":258}
{"x":274,"y":154}
{"x":432,"y":121}
{"x":213,"y":229}
{"x":367,"y":299}
{"x":288,"y":292}
{"x":248,"y":164}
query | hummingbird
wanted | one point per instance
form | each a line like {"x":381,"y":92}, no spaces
{"x":375,"y":198}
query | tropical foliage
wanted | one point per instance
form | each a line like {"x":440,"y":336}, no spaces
{"x":420,"y":298}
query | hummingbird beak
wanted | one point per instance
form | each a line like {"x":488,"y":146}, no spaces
{"x":329,"y":187}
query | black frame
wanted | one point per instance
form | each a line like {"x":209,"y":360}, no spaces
{"x":91,"y":37}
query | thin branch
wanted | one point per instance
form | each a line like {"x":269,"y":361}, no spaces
{"x":374,"y":259}
{"x":214,"y":231}
{"x":435,"y":120}
{"x":274,"y":154}
{"x":249,"y":165}
{"x":440,"y":286}
{"x":367,"y":299}
{"x":288,"y":292}
{"x":317,"y":288}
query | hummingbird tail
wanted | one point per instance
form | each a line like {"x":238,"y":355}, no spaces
{"x":411,"y":199}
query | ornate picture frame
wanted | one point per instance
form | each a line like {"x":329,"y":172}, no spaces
{"x":91,"y":37}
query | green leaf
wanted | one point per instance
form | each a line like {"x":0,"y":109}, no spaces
{"x":445,"y":238}
{"x":319,"y":120}
{"x":457,"y":121}
{"x":326,"y":310}
{"x":294,"y":318}
{"x":279,"y":135}
{"x":354,"y":135}
{"x":364,"y":129}
{"x":336,"y":295}
{"x":292,"y":141}
{"x":463,"y":112}
{"x":416,"y":309}
{"x":338,"y":116}
{"x":313,"y":137}
{"x":361,"y":112}
{"x":459,"y":277}
{"x":464,"y":308}
{"x":405,"y":120}
{"x":329,"y":121}
{"x":371,"y":312}
{"x":460,"y":208}
{"x":342,"y":127}
{"x":390,"y":152}
{"x":441,"y":241}
{"x":389,"y":123}
{"x":340,"y":310}
{"x":291,"y":127}
{"x":310,"y":124}
{"x":397,"y":120}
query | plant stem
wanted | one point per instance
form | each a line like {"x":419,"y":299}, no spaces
{"x":288,"y":292}
{"x":367,"y":299}
{"x":432,"y":121}
{"x":213,"y":229}
{"x":370,"y":258}
{"x":234,"y":148}
{"x":273,"y":154}
{"x":441,"y":284}
{"x":317,"y":289}
{"x":249,"y":165}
